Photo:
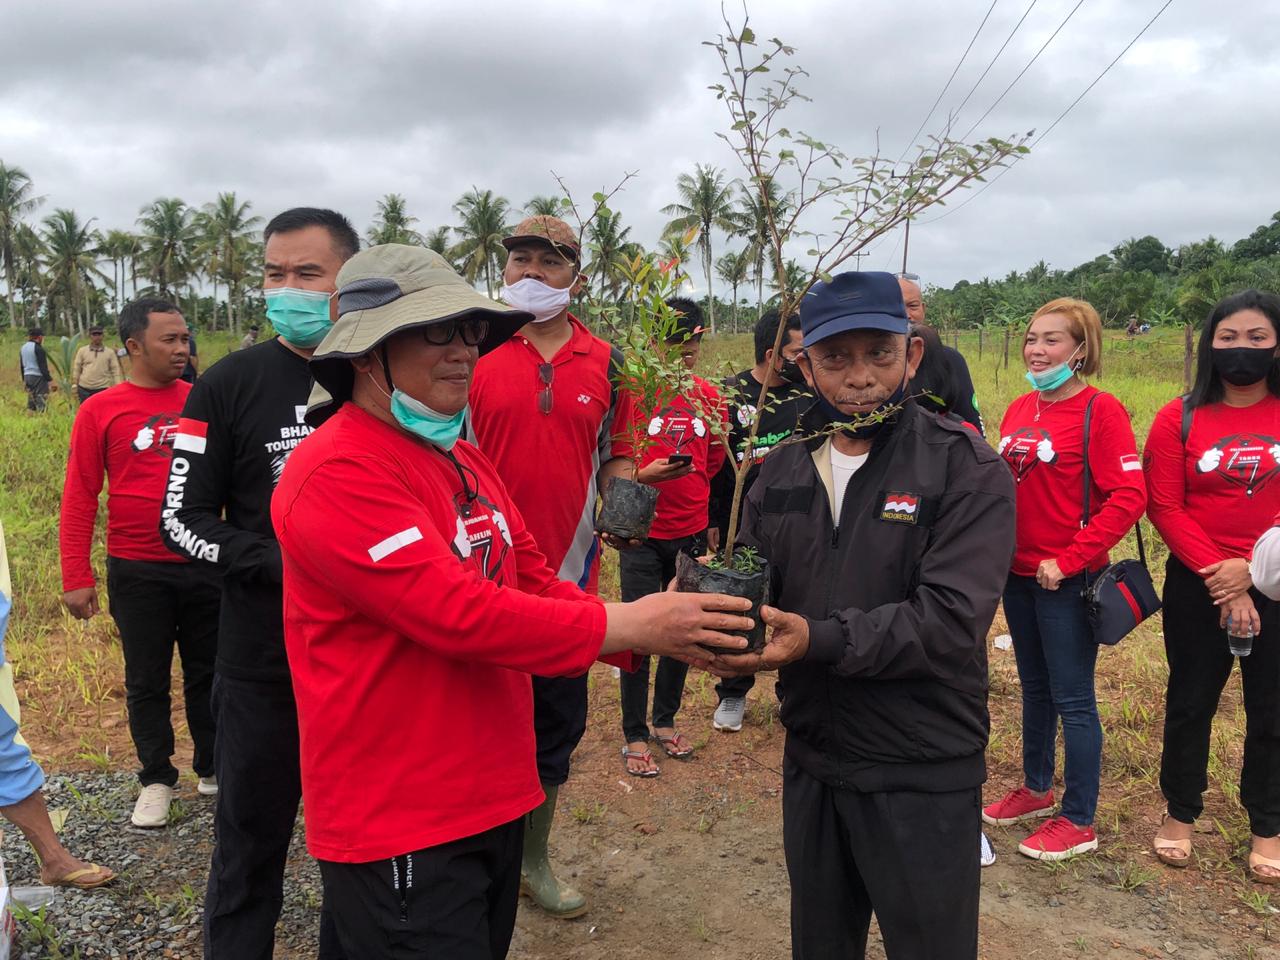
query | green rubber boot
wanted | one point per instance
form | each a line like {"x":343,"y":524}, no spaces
{"x":537,"y":881}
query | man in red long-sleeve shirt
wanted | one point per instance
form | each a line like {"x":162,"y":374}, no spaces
{"x":126,"y":433}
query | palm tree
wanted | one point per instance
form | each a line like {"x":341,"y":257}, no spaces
{"x":392,"y":223}
{"x":733,"y":269}
{"x":224,"y":228}
{"x":167,"y":236}
{"x":438,"y":240}
{"x":543,"y":206}
{"x":706,"y":202}
{"x":71,"y":265}
{"x":607,"y":240}
{"x":118,"y":246}
{"x":754,"y":207}
{"x":16,"y":201}
{"x":28,"y":258}
{"x":484,"y":224}
{"x":792,"y":282}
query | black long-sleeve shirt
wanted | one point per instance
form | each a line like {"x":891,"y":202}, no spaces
{"x":241,"y":421}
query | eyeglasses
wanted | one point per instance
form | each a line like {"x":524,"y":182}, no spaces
{"x":546,"y":373}
{"x":472,"y":329}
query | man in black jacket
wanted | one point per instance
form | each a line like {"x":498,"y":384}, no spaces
{"x":960,"y":396}
{"x":241,"y":421}
{"x":891,"y":540}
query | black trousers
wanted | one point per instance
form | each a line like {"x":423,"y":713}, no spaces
{"x":646,"y":569}
{"x":37,"y":392}
{"x":1199,"y":665}
{"x":84,"y":393}
{"x":455,"y":900}
{"x":259,"y":788}
{"x":735,"y":687}
{"x":559,"y":721}
{"x":908,"y":857}
{"x":157,"y":606}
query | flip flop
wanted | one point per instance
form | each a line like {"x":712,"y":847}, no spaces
{"x":644,"y":756}
{"x":86,"y":878}
{"x":676,"y":747}
{"x":1258,"y":860}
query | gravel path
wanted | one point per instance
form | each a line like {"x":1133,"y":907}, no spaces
{"x":155,"y":909}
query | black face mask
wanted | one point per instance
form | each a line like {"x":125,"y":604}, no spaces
{"x":790,"y":372}
{"x":1242,"y":366}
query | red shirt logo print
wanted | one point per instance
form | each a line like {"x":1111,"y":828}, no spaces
{"x":1026,"y":447}
{"x":1247,"y":460}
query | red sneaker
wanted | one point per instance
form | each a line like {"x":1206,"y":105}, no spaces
{"x":1058,"y":839}
{"x":1017,"y":805}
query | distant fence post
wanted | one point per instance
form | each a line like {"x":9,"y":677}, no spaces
{"x":1188,"y":352}
{"x":1006,"y":346}
{"x":980,"y":329}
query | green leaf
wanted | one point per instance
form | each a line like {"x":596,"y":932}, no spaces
{"x":747,"y":36}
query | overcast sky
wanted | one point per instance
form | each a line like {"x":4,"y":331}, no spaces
{"x":110,"y":105}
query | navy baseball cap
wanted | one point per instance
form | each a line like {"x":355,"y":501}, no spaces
{"x":853,"y":301}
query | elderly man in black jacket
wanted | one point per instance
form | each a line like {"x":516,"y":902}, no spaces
{"x":890,"y":541}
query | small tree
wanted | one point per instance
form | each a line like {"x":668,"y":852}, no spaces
{"x":796,"y":177}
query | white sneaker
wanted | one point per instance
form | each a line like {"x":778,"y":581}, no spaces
{"x":152,"y":808}
{"x":728,"y":716}
{"x":207,"y":787}
{"x":986,"y":852}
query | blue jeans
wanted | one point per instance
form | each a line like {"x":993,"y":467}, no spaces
{"x":1056,"y":654}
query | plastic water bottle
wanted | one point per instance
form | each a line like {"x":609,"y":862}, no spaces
{"x":1241,"y":643}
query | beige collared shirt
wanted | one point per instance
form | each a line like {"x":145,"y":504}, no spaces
{"x":96,"y":368}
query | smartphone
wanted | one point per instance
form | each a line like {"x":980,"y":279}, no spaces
{"x":683,"y":459}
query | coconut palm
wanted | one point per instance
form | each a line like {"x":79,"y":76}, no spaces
{"x":118,"y":246}
{"x":167,"y":236}
{"x":607,"y":241}
{"x":17,"y":199}
{"x":223,"y":227}
{"x":733,"y":269}
{"x":753,"y":218}
{"x":71,"y":265}
{"x":543,"y":206}
{"x":28,"y":258}
{"x":484,"y":224}
{"x":706,"y":202}
{"x":392,"y":223}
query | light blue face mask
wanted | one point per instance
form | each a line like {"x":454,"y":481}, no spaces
{"x":1054,"y":377}
{"x":419,"y":419}
{"x":300,"y":316}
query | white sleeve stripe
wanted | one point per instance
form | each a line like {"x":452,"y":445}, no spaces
{"x":380,"y":551}
{"x":189,"y":443}
{"x":1129,"y":465}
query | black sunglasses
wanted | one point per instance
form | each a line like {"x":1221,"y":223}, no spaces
{"x":472,"y":329}
{"x":546,"y":373}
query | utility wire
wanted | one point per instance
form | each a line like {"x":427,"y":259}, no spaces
{"x":947,"y":85}
{"x":1035,"y":143}
{"x":974,"y":88}
{"x":1065,"y":21}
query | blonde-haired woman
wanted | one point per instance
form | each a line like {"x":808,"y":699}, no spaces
{"x":1042,"y":439}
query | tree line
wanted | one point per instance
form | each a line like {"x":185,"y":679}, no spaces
{"x":1141,"y":277}
{"x":62,"y":271}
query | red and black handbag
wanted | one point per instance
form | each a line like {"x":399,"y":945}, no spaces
{"x":1122,"y":595}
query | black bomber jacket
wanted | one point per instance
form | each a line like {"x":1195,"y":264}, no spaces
{"x":892,"y":693}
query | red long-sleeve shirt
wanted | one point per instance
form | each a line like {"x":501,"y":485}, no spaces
{"x":1046,"y":456}
{"x":413,"y":617}
{"x":677,"y":426}
{"x":1212,"y":498}
{"x":126,"y":434}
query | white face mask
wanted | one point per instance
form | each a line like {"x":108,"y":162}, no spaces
{"x":534,"y":296}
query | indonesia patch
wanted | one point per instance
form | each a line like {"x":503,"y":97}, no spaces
{"x":1129,"y":462}
{"x":191,"y":436}
{"x":901,"y":507}
{"x":397,"y":541}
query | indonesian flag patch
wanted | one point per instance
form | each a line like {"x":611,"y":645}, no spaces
{"x":191,"y":435}
{"x":901,"y":507}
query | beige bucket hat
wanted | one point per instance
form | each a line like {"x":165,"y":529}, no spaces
{"x":386,"y":290}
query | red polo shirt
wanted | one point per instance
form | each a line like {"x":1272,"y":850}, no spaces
{"x":548,"y":461}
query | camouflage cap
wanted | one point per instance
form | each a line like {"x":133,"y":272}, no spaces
{"x":547,"y":229}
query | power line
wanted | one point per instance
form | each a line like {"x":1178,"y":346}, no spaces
{"x":974,"y":88}
{"x":1065,"y":21}
{"x":1035,"y":143}
{"x":947,"y":85}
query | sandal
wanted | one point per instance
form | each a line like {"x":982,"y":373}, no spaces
{"x":643,"y":756}
{"x":1167,"y":849}
{"x":1257,"y":860}
{"x":675,"y":746}
{"x":86,"y":878}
